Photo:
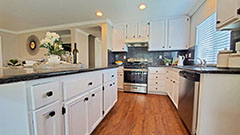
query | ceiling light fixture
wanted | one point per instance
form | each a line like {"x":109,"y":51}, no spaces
{"x":99,"y":13}
{"x":142,"y":6}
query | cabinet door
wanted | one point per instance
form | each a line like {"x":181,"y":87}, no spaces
{"x":114,"y":92}
{"x":47,"y":120}
{"x":120,"y":80}
{"x":157,"y":35}
{"x":176,"y":93}
{"x":107,"y":97}
{"x":226,"y":11}
{"x":131,"y":30}
{"x":76,"y":116}
{"x":178,"y":33}
{"x":119,"y":36}
{"x":95,"y":108}
{"x":143,"y":30}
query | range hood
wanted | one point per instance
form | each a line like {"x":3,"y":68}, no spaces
{"x":137,"y":42}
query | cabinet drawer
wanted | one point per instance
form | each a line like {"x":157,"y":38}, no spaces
{"x":80,"y":84}
{"x":156,"y":82}
{"x":110,"y":74}
{"x":44,"y":94}
{"x":156,"y":70}
{"x":156,"y":88}
{"x":156,"y":76}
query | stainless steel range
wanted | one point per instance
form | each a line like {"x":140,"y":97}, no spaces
{"x":135,"y":77}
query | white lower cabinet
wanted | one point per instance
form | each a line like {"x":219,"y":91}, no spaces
{"x":95,"y":108}
{"x":76,"y":116}
{"x":47,"y":120}
{"x":156,"y":80}
{"x":83,"y":113}
{"x":172,"y":85}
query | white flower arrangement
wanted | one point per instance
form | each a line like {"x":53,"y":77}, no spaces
{"x":53,"y":43}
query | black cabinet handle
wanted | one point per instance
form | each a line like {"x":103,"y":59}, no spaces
{"x":49,"y":94}
{"x":111,"y":85}
{"x":93,"y":95}
{"x":174,"y":82}
{"x":112,"y":75}
{"x":51,"y":114}
{"x":163,"y":47}
{"x":156,"y":76}
{"x":238,"y":11}
{"x":156,"y":71}
{"x":170,"y":47}
{"x":114,"y":83}
{"x":218,"y":22}
{"x":86,"y":99}
{"x":156,"y":82}
{"x":90,"y":83}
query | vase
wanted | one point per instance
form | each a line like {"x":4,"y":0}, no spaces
{"x":53,"y":59}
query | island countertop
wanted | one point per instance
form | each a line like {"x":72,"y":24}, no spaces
{"x":10,"y":75}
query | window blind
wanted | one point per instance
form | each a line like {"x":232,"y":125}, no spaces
{"x":210,"y":41}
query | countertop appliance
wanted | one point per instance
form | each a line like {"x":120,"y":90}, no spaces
{"x":188,"y":99}
{"x":223,"y":58}
{"x":135,"y":77}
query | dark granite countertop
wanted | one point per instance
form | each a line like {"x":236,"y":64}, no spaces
{"x":9,"y":75}
{"x":204,"y":70}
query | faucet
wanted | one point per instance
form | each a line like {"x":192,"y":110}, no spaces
{"x":202,"y":63}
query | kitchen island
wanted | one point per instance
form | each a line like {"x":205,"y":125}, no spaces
{"x":55,"y":101}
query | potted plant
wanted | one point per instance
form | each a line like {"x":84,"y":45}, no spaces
{"x":167,"y":61}
{"x":53,"y":43}
{"x":13,"y":63}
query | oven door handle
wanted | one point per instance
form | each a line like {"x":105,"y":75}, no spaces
{"x":136,"y":70}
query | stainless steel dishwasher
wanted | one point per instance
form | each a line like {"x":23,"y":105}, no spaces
{"x":188,"y":99}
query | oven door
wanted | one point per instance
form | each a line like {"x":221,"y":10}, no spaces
{"x":135,"y":80}
{"x":137,"y":76}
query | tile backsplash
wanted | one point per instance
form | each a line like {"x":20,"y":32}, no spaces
{"x":154,"y":58}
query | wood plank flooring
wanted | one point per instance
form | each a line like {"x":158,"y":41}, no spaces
{"x":140,"y":114}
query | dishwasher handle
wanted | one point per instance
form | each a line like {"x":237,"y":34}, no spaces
{"x":190,"y":75}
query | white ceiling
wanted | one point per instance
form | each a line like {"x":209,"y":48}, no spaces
{"x":19,"y":15}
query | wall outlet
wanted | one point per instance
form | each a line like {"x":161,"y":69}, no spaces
{"x":160,"y":57}
{"x":190,"y":55}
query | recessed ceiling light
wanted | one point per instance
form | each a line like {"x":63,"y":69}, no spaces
{"x":142,"y":6}
{"x":99,"y":13}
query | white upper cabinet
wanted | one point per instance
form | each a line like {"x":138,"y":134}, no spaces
{"x":178,"y":33}
{"x":157,"y":35}
{"x":131,"y":30}
{"x":227,"y":13}
{"x":143,"y":30}
{"x":119,"y":36}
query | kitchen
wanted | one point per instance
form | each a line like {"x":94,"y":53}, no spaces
{"x":148,"y":69}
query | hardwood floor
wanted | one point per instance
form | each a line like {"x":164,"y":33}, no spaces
{"x":140,"y":114}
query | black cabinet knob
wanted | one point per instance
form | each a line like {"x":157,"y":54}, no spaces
{"x":163,"y":47}
{"x":218,"y":22}
{"x":110,"y":85}
{"x":49,"y":94}
{"x":156,"y":76}
{"x":93,"y":95}
{"x":156,"y":82}
{"x":112,"y":75}
{"x":86,"y":99}
{"x":51,"y":114}
{"x":170,"y":47}
{"x":90,"y":83}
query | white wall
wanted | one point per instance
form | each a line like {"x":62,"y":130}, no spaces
{"x":206,"y":10}
{"x":9,"y":46}
{"x":21,"y":43}
{"x":81,"y":39}
{"x":98,"y":52}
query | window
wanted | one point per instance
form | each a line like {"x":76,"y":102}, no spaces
{"x":210,"y":41}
